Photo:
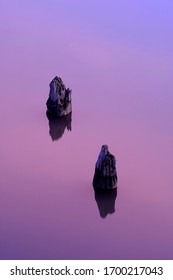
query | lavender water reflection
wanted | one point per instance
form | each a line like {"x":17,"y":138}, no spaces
{"x":57,"y":125}
{"x":119,"y":66}
{"x":106,"y":201}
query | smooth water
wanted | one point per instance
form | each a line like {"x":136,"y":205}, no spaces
{"x":118,"y":60}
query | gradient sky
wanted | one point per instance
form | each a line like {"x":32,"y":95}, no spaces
{"x":117,"y":56}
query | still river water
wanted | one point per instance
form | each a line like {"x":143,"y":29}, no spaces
{"x":119,"y":67}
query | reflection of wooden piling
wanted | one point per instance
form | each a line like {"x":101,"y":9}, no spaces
{"x":106,"y":201}
{"x":57,"y":125}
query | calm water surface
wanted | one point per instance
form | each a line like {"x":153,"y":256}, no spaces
{"x":119,"y":67}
